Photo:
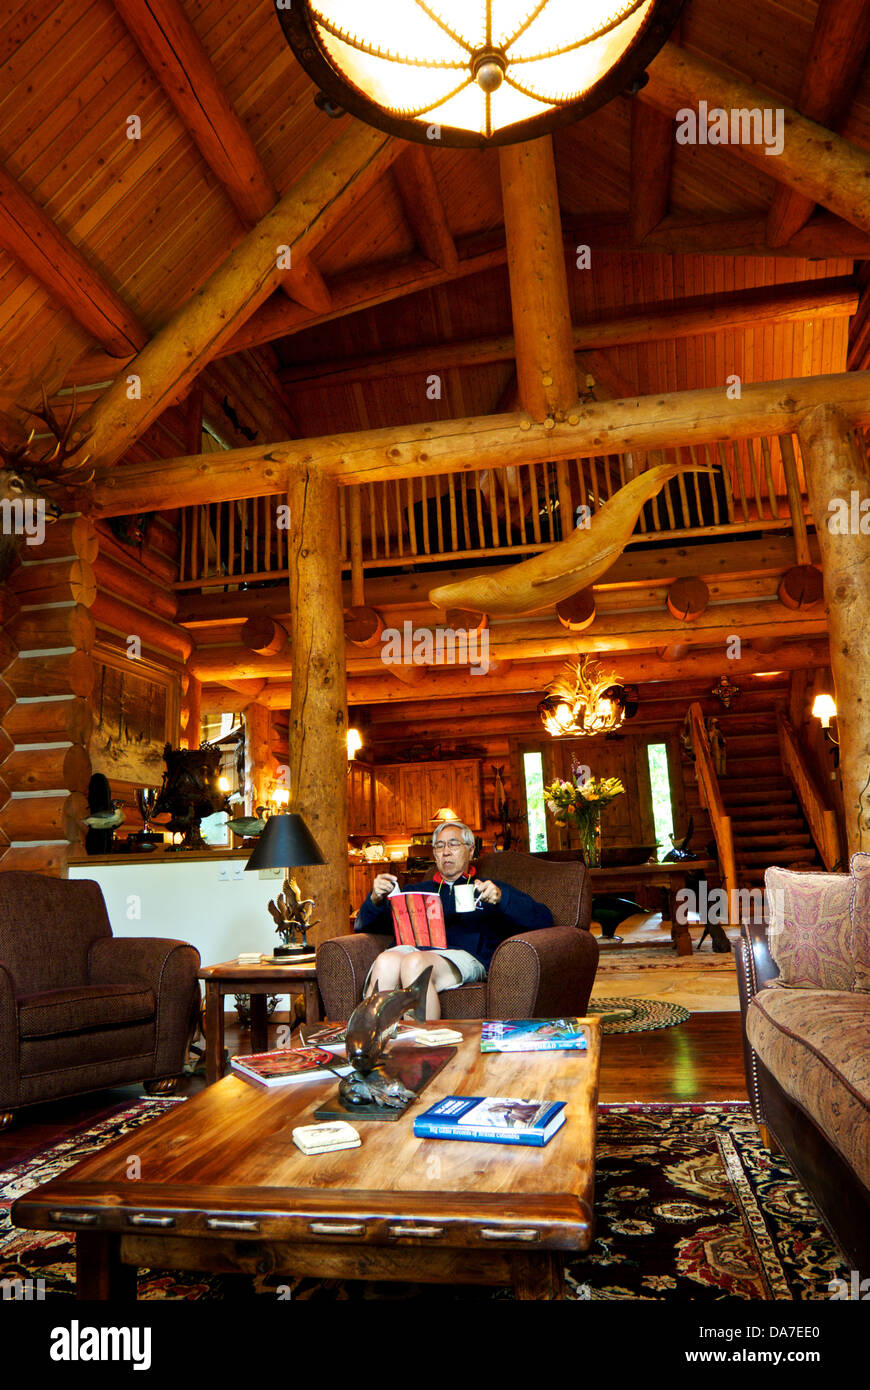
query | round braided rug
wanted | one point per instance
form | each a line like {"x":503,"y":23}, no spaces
{"x":619,"y":1015}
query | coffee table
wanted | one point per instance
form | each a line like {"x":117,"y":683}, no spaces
{"x":258,"y":981}
{"x":224,"y":1189}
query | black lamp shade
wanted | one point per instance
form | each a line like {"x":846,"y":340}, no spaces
{"x":284,"y":844}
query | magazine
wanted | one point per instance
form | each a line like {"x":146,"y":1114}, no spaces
{"x":492,"y":1120}
{"x":286,"y":1066}
{"x":533,"y":1035}
{"x":418,"y":919}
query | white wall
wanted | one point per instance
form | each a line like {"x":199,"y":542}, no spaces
{"x":190,"y":902}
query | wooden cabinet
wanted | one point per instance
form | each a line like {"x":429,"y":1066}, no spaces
{"x":407,"y":794}
{"x":360,"y":799}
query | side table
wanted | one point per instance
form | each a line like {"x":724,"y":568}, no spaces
{"x":258,"y":981}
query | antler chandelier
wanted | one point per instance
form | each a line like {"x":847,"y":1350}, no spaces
{"x":584,"y":700}
{"x":489,"y":73}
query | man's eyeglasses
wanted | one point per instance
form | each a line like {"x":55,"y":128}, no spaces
{"x":449,"y":844}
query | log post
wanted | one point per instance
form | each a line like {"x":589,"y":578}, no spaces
{"x":318,"y":706}
{"x":839,"y":495}
{"x":539,"y":284}
{"x":259,"y":762}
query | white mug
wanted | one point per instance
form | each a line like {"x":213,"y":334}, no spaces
{"x":465,"y":897}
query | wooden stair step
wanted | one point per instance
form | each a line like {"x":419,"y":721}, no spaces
{"x":766,"y":856}
{"x":759,"y":797}
{"x":738,"y":782}
{"x":793,"y":841}
{"x":780,"y":825}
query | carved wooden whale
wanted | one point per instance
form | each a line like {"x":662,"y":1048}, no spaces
{"x":569,"y":565}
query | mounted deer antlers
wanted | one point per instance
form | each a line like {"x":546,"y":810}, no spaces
{"x":60,"y":452}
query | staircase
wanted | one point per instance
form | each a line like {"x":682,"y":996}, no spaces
{"x":767,"y":821}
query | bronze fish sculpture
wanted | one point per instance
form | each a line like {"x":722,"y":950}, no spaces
{"x":373,"y":1021}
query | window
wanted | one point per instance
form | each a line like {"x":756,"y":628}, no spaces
{"x":533,"y":772}
{"x":660,"y":785}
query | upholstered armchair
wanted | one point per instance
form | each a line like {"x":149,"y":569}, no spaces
{"x":81,"y":1009}
{"x":536,"y":974}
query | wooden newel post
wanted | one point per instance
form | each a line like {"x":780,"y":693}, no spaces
{"x":318,"y":705}
{"x":839,"y":494}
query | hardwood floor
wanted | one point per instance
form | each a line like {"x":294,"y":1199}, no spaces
{"x":698,"y":1060}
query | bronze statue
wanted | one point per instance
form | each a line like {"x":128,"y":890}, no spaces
{"x":369,"y":1028}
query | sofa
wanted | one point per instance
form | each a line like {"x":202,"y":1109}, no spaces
{"x":81,"y":1009}
{"x":537,"y":974}
{"x":804,"y":985}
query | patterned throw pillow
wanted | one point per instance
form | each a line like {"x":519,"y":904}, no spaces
{"x":860,"y":914}
{"x":810,"y":931}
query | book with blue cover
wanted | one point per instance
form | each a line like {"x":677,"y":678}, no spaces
{"x":492,"y":1120}
{"x":533,"y":1035}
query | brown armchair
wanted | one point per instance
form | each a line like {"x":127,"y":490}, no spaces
{"x":81,"y":1009}
{"x":538,"y":974}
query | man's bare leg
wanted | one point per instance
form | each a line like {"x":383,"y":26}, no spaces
{"x":413,"y":963}
{"x":386,"y":970}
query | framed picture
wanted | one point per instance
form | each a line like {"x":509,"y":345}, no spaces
{"x":136,"y":712}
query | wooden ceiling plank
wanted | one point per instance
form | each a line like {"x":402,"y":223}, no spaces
{"x":652,"y":150}
{"x":834,"y":66}
{"x":472,"y":444}
{"x":422,"y":206}
{"x":814,"y":161}
{"x":170,"y":361}
{"x":700,"y":314}
{"x":171,"y":47}
{"x":30,"y":236}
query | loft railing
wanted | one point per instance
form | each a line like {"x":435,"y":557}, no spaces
{"x":515,"y":510}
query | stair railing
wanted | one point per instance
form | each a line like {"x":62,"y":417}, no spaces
{"x":711,"y":797}
{"x":820,"y":818}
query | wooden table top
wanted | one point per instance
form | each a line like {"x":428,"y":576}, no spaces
{"x":231,"y":970}
{"x":226,"y":1156}
{"x":653,"y":871}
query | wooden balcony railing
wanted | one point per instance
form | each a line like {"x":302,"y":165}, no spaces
{"x":711,"y":797}
{"x":821,"y":819}
{"x":758,"y":485}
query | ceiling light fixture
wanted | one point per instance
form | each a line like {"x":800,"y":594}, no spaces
{"x":585,"y":700}
{"x":496,"y":73}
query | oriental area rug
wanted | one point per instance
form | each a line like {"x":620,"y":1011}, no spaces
{"x":689,"y":1207}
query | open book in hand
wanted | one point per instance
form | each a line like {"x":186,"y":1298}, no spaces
{"x":418,"y":919}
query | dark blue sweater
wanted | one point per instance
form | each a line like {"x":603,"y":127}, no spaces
{"x":478,"y":932}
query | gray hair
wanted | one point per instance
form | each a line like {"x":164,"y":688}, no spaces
{"x":467,"y":835}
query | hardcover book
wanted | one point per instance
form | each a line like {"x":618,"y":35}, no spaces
{"x":288,"y":1065}
{"x":418,"y":919}
{"x":492,"y":1120}
{"x":533,"y":1035}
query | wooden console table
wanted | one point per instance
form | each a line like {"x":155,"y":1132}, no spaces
{"x":669,"y":878}
{"x":258,"y":981}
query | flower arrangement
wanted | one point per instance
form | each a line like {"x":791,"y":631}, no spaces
{"x":579,"y":803}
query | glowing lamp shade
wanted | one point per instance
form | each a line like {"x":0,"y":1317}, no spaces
{"x":824,"y":709}
{"x":281,"y":796}
{"x":488,"y":73}
{"x":224,"y":784}
{"x":354,"y":742}
{"x":444,"y":813}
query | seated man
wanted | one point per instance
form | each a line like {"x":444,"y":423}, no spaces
{"x":472,"y":937}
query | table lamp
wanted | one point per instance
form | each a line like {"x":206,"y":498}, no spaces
{"x":444,"y":813}
{"x":287,"y":843}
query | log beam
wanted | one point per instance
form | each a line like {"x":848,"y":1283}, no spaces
{"x":422,"y":206}
{"x":170,"y":361}
{"x":836,"y":59}
{"x":318,"y":706}
{"x":690,"y":317}
{"x":546,"y":374}
{"x":813,"y":161}
{"x":836,"y":475}
{"x":32,"y":239}
{"x":171,"y":47}
{"x":470,"y":445}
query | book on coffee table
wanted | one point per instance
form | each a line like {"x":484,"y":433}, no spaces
{"x":492,"y":1120}
{"x":418,"y":920}
{"x":533,"y":1035}
{"x":286,"y":1066}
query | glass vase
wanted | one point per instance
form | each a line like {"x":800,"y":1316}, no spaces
{"x":590,"y":838}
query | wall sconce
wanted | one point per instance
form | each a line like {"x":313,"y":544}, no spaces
{"x":824,"y":709}
{"x":281,"y":797}
{"x":224,"y":784}
{"x":354,"y":743}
